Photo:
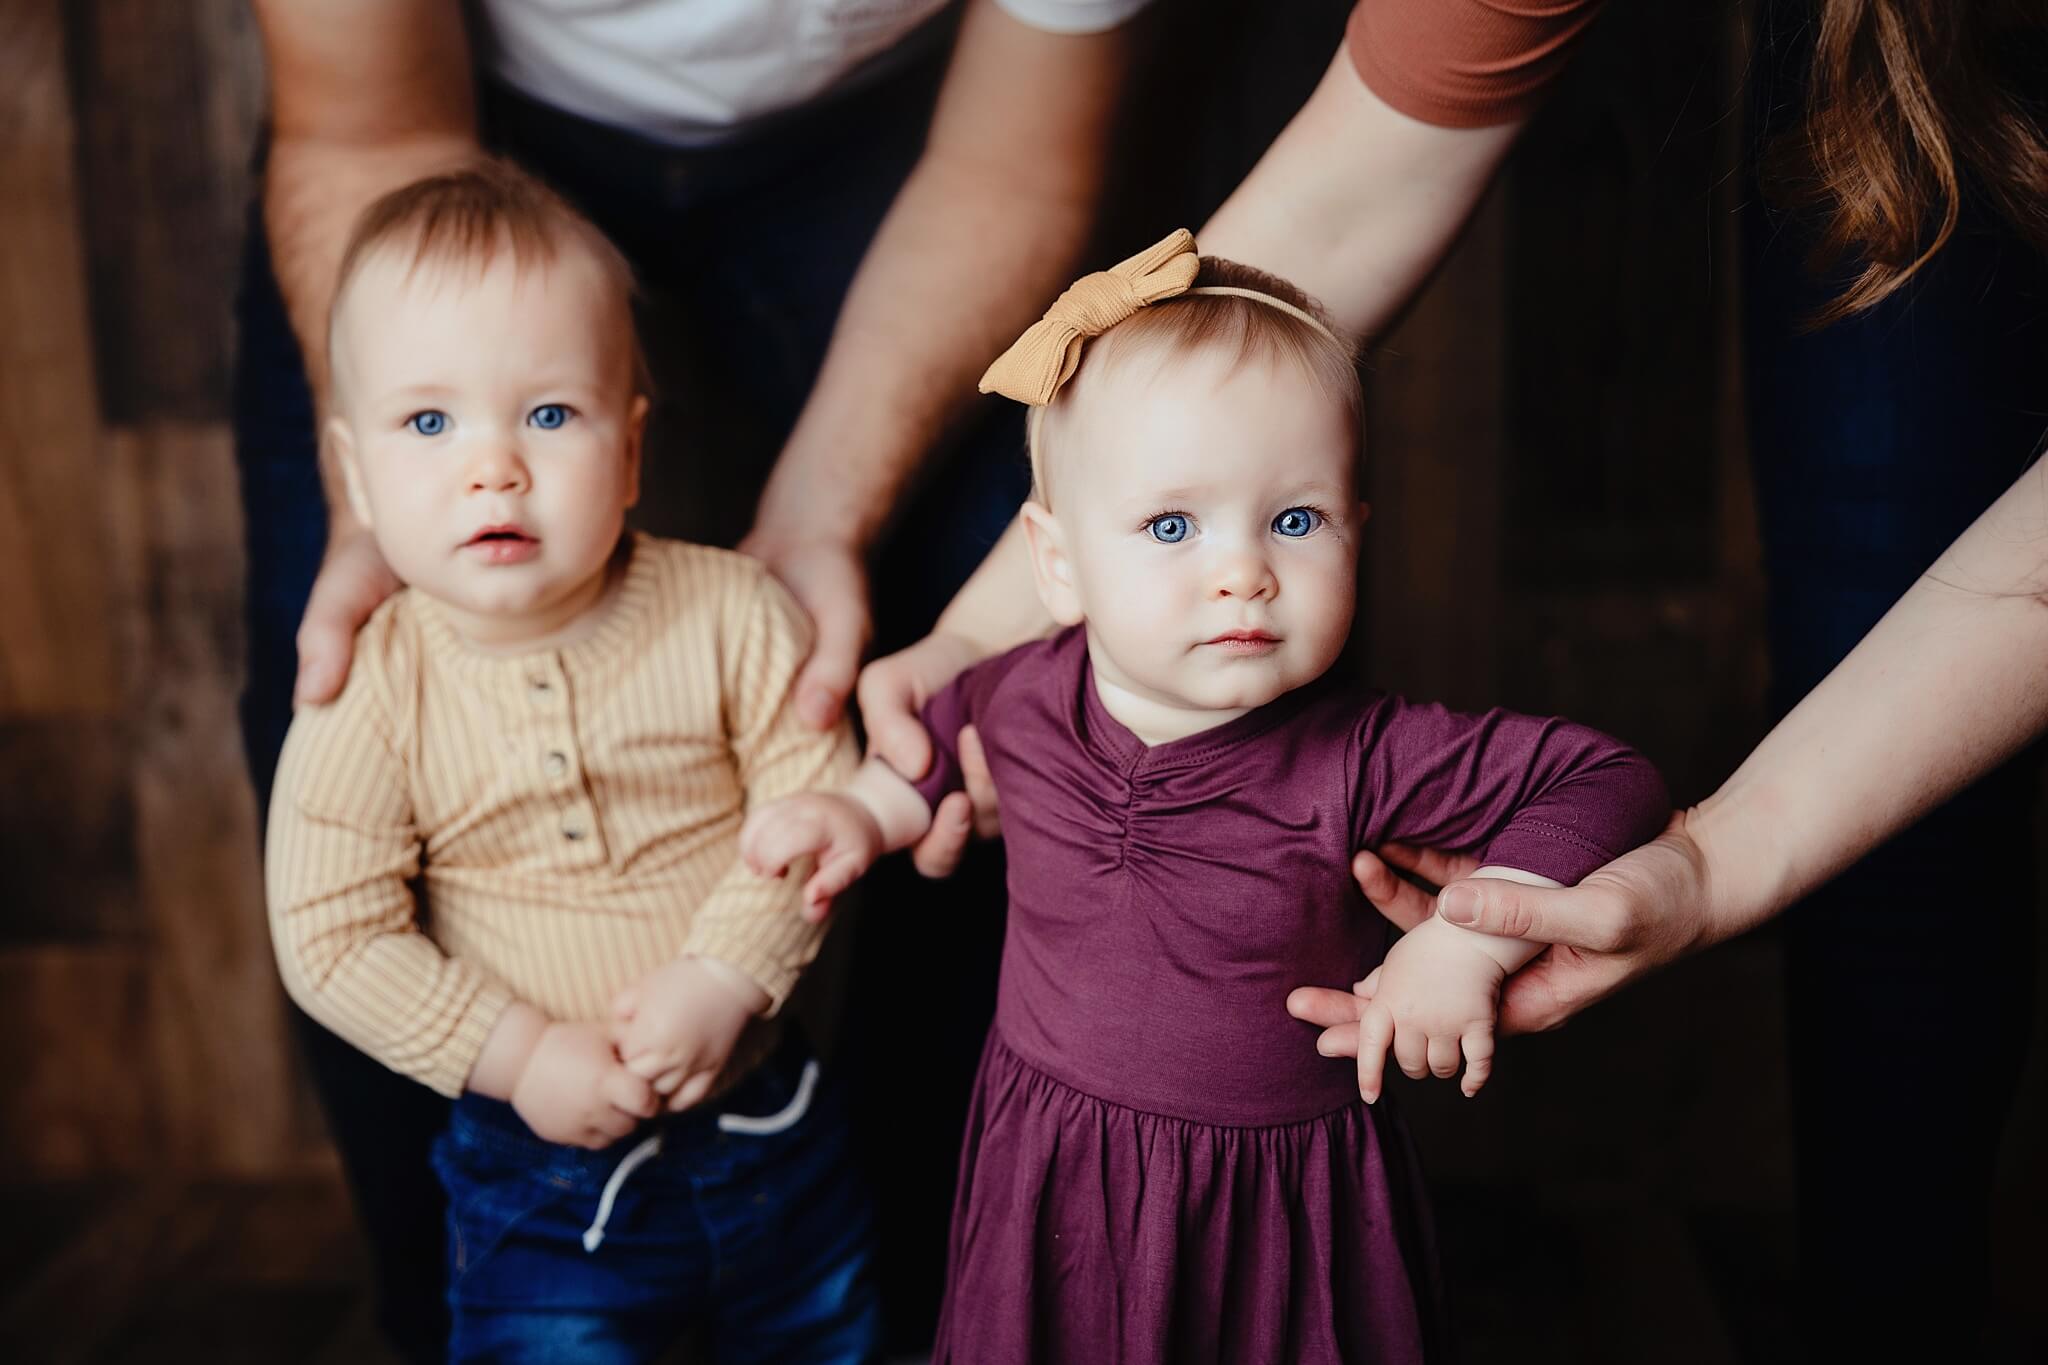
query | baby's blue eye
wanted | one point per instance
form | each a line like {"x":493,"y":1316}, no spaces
{"x":432,"y":422}
{"x":1297,"y":522}
{"x":1169,"y":529}
{"x":548,"y":416}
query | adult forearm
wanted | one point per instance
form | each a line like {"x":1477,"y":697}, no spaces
{"x":313,"y":190}
{"x":1950,"y":683}
{"x":1355,"y":202}
{"x":963,"y":262}
{"x":988,"y":227}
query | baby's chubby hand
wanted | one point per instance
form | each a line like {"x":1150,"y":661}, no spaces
{"x":676,"y":1026}
{"x":838,"y":831}
{"x":1434,"y":998}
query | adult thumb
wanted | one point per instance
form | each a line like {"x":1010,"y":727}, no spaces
{"x":324,"y":653}
{"x":1494,"y":906}
{"x":827,"y":677}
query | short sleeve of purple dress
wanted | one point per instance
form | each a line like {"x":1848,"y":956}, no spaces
{"x":1158,"y":1166}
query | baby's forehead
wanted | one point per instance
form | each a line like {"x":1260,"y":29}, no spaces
{"x":400,"y":274}
{"x":1138,"y":412}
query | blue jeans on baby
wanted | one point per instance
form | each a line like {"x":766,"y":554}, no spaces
{"x":742,"y":1218}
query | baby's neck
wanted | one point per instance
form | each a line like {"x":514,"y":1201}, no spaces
{"x":1153,"y":719}
{"x":564,"y":622}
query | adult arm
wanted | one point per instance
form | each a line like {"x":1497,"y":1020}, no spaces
{"x":988,"y":226}
{"x":365,"y":96}
{"x":1952,"y":682}
{"x":1356,"y":202}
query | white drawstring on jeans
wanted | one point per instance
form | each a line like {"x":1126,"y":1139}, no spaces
{"x":593,"y":1236}
{"x":784,"y":1118}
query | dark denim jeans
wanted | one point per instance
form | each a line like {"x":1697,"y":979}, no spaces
{"x":743,"y":1220}
{"x":1909,"y":979}
{"x":744,"y":254}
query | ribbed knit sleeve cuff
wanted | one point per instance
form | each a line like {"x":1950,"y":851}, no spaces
{"x":446,"y":1068}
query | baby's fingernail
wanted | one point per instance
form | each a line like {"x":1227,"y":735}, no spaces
{"x":1459,"y":905}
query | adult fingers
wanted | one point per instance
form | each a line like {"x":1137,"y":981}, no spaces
{"x":1590,"y":917}
{"x":939,"y":852}
{"x":352,"y":581}
{"x":828,"y":675}
{"x":1478,"y":1044}
{"x":981,"y":788}
{"x":1559,"y":983}
{"x":1433,"y":866}
{"x":1405,"y":904}
{"x":1375,"y":1033}
{"x":1339,"y":1040}
{"x":889,"y":702}
{"x":1324,"y":1007}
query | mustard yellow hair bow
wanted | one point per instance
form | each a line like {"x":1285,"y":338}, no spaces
{"x":1049,"y":352}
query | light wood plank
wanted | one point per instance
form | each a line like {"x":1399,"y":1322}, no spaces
{"x":220,"y":1053}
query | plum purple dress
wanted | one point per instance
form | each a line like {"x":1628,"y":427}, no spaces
{"x":1158,"y":1166}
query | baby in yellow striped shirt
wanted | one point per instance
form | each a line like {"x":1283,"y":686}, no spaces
{"x":504,"y":860}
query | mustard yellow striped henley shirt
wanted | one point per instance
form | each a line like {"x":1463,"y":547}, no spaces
{"x":462,"y":829}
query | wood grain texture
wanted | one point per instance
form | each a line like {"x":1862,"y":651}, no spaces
{"x":166,"y":100}
{"x":217,"y":1029}
{"x":56,"y":657}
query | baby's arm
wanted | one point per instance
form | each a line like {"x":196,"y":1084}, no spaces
{"x":844,"y":831}
{"x":1435,"y":998}
{"x":1541,"y":800}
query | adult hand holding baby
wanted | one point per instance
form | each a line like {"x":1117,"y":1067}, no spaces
{"x":892,"y":692}
{"x":1642,"y":910}
{"x":829,"y":580}
{"x":352,"y":581}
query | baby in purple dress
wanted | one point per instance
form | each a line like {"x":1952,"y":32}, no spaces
{"x":1158,"y":1164}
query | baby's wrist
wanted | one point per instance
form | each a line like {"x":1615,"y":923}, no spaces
{"x":513,"y":1043}
{"x":744,"y":990}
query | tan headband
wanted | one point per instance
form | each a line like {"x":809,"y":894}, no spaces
{"x":1049,"y":352}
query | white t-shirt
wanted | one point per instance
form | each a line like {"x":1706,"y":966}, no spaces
{"x":693,"y":71}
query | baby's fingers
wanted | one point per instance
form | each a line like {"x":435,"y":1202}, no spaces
{"x":774,"y":838}
{"x":629,"y":1094}
{"x":692,"y":1091}
{"x":1411,"y":1051}
{"x":837,"y":872}
{"x":1443,"y":1057}
{"x":1478,"y":1057}
{"x":1375,"y":1033}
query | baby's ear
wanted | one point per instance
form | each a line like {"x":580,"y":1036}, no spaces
{"x":342,"y":442}
{"x":636,"y":434}
{"x":1052,"y":569}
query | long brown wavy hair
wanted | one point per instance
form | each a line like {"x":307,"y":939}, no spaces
{"x":1911,"y":104}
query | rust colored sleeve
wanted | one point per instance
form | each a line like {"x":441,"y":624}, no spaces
{"x":1465,"y":63}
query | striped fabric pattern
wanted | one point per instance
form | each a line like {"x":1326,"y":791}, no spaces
{"x":459,"y":829}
